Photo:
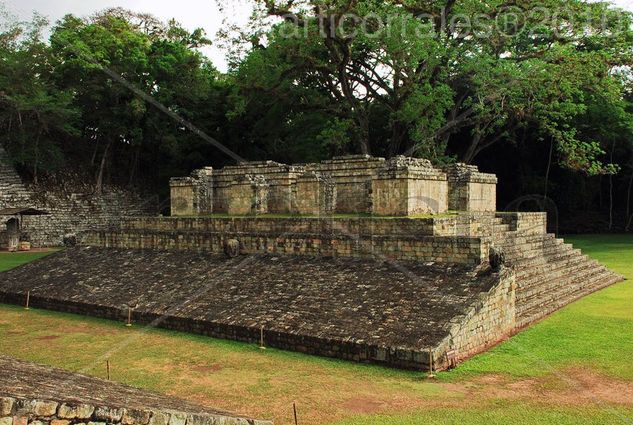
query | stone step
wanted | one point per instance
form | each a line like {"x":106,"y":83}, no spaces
{"x":528,"y":317}
{"x":513,"y":238}
{"x":523,"y":265}
{"x":533,"y":255}
{"x":563,"y":292}
{"x":544,"y":284}
{"x":550,"y":265}
{"x":509,"y":243}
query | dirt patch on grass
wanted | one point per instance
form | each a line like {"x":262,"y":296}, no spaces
{"x":363,"y":405}
{"x":570,"y":387}
{"x":215,"y":368}
{"x":48,"y":338}
{"x":84,"y":329}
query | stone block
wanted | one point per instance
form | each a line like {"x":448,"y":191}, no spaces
{"x":159,"y":418}
{"x":6,"y":405}
{"x":38,"y":407}
{"x":315,"y":194}
{"x":248,"y":195}
{"x":60,"y":422}
{"x":108,"y":414}
{"x":79,"y":411}
{"x":192,"y":196}
{"x":408,"y":187}
{"x":136,"y":417}
{"x":20,"y":420}
{"x":471,"y":190}
{"x":177,"y":418}
{"x":6,"y":421}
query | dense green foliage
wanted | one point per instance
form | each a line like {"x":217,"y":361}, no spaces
{"x":544,"y":101}
{"x":76,"y":100}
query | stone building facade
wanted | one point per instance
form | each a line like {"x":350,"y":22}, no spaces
{"x":358,"y":184}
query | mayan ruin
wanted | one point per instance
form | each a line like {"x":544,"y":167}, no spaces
{"x":355,"y":240}
{"x":310,"y":212}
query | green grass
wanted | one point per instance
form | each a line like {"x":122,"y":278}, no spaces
{"x":503,"y":414}
{"x":10,"y":260}
{"x":545,"y":375}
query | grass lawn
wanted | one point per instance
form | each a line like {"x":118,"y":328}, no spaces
{"x":576,"y":367}
{"x":10,"y":260}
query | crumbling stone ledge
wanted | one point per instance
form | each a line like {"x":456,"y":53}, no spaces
{"x":39,"y":395}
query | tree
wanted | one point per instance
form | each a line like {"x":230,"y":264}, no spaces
{"x":33,"y":113}
{"x":112,"y":63}
{"x":446,"y":83}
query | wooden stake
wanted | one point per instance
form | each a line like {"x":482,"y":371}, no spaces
{"x":108,"y":368}
{"x":28,"y":300}
{"x":129,"y":317}
{"x":294,"y":407}
{"x":431,"y":374}
{"x":261,"y":339}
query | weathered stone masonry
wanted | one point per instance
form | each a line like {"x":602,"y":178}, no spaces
{"x":398,"y":287}
{"x":72,"y":209}
{"x":345,"y":185}
{"x":38,"y":395}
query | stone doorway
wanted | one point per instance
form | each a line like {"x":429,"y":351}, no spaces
{"x":13,"y":234}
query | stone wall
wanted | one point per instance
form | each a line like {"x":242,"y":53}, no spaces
{"x":397,"y":239}
{"x":471,"y":190}
{"x":526,"y":222}
{"x":39,"y":395}
{"x":352,"y":176}
{"x":73,"y":208}
{"x":345,"y":185}
{"x":407,"y":187}
{"x":488,"y":321}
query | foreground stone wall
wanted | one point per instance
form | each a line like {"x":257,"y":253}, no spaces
{"x":38,"y":395}
{"x":73,"y":208}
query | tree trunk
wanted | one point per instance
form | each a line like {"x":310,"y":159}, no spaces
{"x":94,"y":154}
{"x":549,"y":167}
{"x":137,"y":153}
{"x":37,"y":159}
{"x":611,"y":190}
{"x":363,"y":124}
{"x":398,"y":133}
{"x":470,"y":153}
{"x":102,"y":167}
{"x":629,"y":217}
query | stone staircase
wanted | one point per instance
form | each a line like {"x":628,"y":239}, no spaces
{"x":550,"y":274}
{"x":13,"y":193}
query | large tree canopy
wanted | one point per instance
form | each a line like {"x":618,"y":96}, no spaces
{"x":436,"y":78}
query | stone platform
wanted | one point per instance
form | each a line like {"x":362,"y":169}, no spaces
{"x":406,"y":292}
{"x":361,"y":310}
{"x":31,"y":393}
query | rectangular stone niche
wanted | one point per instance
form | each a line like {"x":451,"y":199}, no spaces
{"x":409,"y":187}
